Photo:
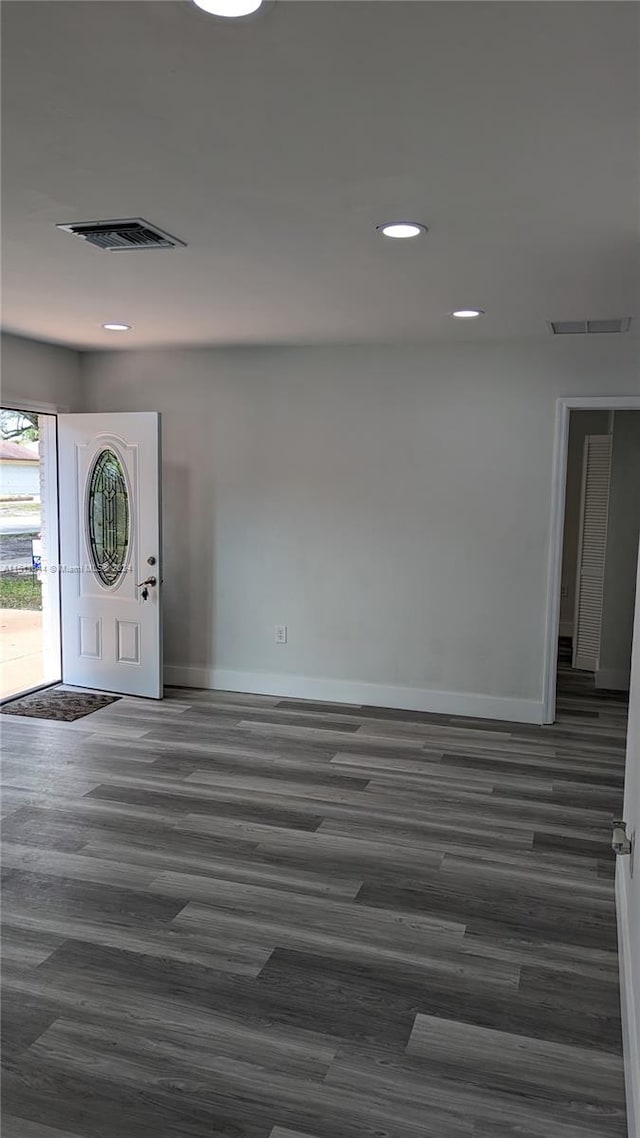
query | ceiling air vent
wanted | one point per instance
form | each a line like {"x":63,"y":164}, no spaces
{"x":128,"y":233}
{"x":588,"y":327}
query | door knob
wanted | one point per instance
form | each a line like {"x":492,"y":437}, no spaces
{"x":143,"y":586}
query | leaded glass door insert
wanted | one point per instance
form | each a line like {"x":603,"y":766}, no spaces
{"x":108,"y":517}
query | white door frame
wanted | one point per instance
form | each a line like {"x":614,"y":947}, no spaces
{"x":50,"y":507}
{"x":558,"y":489}
{"x":34,"y":405}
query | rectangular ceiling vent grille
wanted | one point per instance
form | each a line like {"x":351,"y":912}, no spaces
{"x":588,"y":327}
{"x":126,"y":233}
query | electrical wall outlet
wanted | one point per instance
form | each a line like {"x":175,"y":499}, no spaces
{"x":281,"y":634}
{"x":564,"y":592}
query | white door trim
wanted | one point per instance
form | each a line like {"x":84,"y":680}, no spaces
{"x":50,"y":529}
{"x":628,"y":1005}
{"x":564,"y":407}
{"x":33,"y":405}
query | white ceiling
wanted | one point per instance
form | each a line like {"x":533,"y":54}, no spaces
{"x":274,"y":147}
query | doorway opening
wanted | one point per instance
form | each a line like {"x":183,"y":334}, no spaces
{"x":29,"y":586}
{"x":594,"y":552}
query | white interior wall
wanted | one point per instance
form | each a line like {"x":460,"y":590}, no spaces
{"x":581,"y":423}
{"x":390,"y":505}
{"x":623,"y":532}
{"x":38,"y":375}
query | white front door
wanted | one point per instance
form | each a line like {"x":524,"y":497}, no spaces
{"x":110,"y":545}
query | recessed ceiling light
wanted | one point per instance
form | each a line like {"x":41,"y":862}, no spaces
{"x":232,"y":9}
{"x":116,"y":327}
{"x":402,"y":229}
{"x":467,"y":313}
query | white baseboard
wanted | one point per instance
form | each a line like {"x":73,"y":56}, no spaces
{"x":566,"y":628}
{"x":614,"y":679}
{"x":344,"y":691}
{"x":630,"y":1024}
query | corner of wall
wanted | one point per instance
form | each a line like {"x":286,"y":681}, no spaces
{"x":36,"y":373}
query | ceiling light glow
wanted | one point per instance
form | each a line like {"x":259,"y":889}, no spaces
{"x":231,"y":9}
{"x":402,"y":229}
{"x":468,"y":313}
{"x":116,"y":327}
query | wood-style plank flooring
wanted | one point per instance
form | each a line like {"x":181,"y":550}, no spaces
{"x":233,"y":916}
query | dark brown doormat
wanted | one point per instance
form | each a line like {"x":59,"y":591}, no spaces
{"x":54,"y":703}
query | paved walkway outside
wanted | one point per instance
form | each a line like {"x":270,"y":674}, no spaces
{"x":21,"y":659}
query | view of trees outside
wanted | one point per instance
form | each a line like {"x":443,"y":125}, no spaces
{"x":21,"y":426}
{"x":20,"y":522}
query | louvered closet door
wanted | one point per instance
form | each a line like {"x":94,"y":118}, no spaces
{"x":596,"y":470}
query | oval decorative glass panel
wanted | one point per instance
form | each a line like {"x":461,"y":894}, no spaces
{"x":108,"y":517}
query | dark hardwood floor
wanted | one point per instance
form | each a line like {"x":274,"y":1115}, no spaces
{"x":233,"y":916}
